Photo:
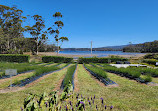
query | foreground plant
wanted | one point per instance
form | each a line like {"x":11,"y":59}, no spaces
{"x":67,"y":101}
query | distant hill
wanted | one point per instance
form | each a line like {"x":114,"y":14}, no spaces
{"x":108,"y":48}
{"x":147,"y":47}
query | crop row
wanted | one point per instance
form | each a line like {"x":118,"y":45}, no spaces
{"x":146,"y":71}
{"x":69,"y":76}
{"x":97,"y":71}
{"x":128,"y":72}
{"x":39,"y":72}
{"x":23,"y":67}
{"x":99,"y":74}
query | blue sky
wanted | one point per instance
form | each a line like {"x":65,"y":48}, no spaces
{"x":105,"y":22}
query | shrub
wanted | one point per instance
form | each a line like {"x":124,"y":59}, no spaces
{"x":147,"y":78}
{"x":14,"y":58}
{"x":69,"y":75}
{"x":151,"y":56}
{"x":97,"y":71}
{"x":56,"y":59}
{"x":129,"y":72}
{"x":150,"y":61}
{"x":100,"y":60}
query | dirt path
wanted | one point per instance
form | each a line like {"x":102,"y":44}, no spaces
{"x":99,"y":82}
{"x":15,"y":89}
{"x":76,"y":87}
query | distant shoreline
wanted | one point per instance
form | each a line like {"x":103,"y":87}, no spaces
{"x":87,"y":55}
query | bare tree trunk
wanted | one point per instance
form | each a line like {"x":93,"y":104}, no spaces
{"x":8,"y":45}
{"x":57,"y":47}
{"x":37,"y":46}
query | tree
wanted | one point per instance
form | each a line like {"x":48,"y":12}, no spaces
{"x":37,"y":31}
{"x":58,"y":25}
{"x":11,"y":20}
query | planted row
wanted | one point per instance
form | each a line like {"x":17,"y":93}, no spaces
{"x":128,"y":72}
{"x":67,"y":101}
{"x":23,"y":67}
{"x":69,"y":76}
{"x":37,"y":74}
{"x":97,"y":71}
{"x":100,"y":60}
{"x":147,"y":71}
{"x":56,"y":59}
{"x":150,"y":61}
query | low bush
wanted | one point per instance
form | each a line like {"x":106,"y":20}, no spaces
{"x":100,"y":60}
{"x":56,"y":59}
{"x":97,"y":71}
{"x":14,"y":58}
{"x":147,"y":71}
{"x":21,"y":67}
{"x":66,"y":101}
{"x":151,"y":56}
{"x":129,"y":72}
{"x":69,"y":75}
{"x":150,"y":61}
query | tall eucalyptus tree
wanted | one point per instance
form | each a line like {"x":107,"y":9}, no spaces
{"x":58,"y":25}
{"x":37,"y":31}
{"x":11,"y":20}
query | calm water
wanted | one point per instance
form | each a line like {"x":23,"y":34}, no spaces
{"x":98,"y":53}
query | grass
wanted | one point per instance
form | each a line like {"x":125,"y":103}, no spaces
{"x":14,"y":100}
{"x":130,"y":95}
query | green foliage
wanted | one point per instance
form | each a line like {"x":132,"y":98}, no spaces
{"x":21,"y":67}
{"x":45,"y":70}
{"x":147,"y":71}
{"x":68,"y":77}
{"x":14,"y":58}
{"x":148,"y":47}
{"x":67,"y":101}
{"x":100,"y":60}
{"x":151,"y":56}
{"x":147,"y":78}
{"x":129,"y":72}
{"x":150,"y":61}
{"x":97,"y":70}
{"x":56,"y":59}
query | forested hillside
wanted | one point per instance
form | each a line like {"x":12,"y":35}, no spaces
{"x":148,"y":47}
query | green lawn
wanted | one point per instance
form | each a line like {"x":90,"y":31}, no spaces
{"x":130,"y":95}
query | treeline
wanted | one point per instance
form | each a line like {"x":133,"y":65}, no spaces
{"x":148,"y":47}
{"x":12,"y":29}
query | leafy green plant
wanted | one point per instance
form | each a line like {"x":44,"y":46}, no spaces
{"x":100,"y":60}
{"x":14,"y":58}
{"x":56,"y":59}
{"x":68,"y":77}
{"x":67,"y":101}
{"x":97,"y":71}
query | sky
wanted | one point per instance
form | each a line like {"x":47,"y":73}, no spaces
{"x":104,"y":22}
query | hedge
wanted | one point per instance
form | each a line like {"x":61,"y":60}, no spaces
{"x":150,"y":61}
{"x":100,"y":60}
{"x":56,"y":59}
{"x":14,"y":58}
